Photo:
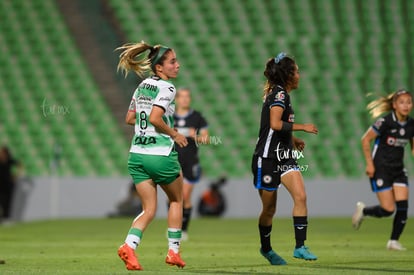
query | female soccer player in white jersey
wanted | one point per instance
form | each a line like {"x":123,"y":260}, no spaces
{"x":385,"y":164}
{"x":274,"y":162}
{"x":152,"y":159}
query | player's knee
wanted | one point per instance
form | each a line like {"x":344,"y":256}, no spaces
{"x":300,"y":199}
{"x":146,"y":216}
{"x":269,"y":211}
{"x":150,"y":214}
{"x":186,"y":198}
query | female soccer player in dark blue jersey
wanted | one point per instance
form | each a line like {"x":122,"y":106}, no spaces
{"x":384,"y":164}
{"x":194,"y":127}
{"x":274,"y":160}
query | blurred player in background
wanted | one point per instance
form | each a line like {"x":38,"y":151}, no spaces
{"x":192,"y":125}
{"x":273,"y":161}
{"x":7,"y":182}
{"x":384,"y":165}
{"x":152,"y":159}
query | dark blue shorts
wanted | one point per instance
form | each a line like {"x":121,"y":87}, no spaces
{"x":267,"y":172}
{"x":385,"y":178}
{"x":191,"y":169}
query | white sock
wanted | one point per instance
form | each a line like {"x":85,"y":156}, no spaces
{"x":174,"y":238}
{"x":132,"y":241}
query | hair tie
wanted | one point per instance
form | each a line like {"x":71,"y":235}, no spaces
{"x":279,"y":57}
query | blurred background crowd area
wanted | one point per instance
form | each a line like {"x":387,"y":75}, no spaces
{"x":62,"y":102}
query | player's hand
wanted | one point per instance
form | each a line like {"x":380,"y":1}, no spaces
{"x":370,"y":170}
{"x":310,"y":128}
{"x":180,"y":140}
{"x":299,"y":144}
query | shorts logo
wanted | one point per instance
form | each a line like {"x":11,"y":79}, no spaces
{"x":380,"y":182}
{"x":267,"y":179}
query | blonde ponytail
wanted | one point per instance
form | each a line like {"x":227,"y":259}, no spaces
{"x":380,"y":105}
{"x":130,"y":59}
{"x":384,"y":103}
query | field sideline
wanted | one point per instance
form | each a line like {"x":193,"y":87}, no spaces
{"x":216,"y":246}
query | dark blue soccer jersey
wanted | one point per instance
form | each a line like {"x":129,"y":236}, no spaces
{"x":183,"y":124}
{"x":392,"y":137}
{"x":271,"y":141}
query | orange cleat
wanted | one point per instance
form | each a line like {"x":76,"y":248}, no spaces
{"x":127,"y":254}
{"x":174,"y":259}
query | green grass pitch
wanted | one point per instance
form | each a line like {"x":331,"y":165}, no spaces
{"x":216,"y":246}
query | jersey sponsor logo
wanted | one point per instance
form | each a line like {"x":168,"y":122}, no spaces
{"x":144,"y":100}
{"x":397,"y":142}
{"x":164,"y":99}
{"x":181,"y":122}
{"x":171,"y":88}
{"x":149,"y":87}
{"x":393,"y":131}
{"x":141,"y":140}
{"x":280,"y":96}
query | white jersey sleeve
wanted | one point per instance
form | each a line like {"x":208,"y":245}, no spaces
{"x":165,"y":96}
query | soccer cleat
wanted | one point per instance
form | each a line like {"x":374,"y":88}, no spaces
{"x":304,"y":253}
{"x":395,"y":245}
{"x":127,"y":254}
{"x":273,"y":258}
{"x":174,"y":259}
{"x":358,"y":215}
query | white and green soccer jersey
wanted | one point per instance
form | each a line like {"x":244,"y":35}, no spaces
{"x":147,"y":140}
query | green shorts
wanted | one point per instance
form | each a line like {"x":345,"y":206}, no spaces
{"x":161,"y":169}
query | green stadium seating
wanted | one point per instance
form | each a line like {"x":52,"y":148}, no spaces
{"x":345,"y":49}
{"x":48,"y":96}
{"x":342,"y":47}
